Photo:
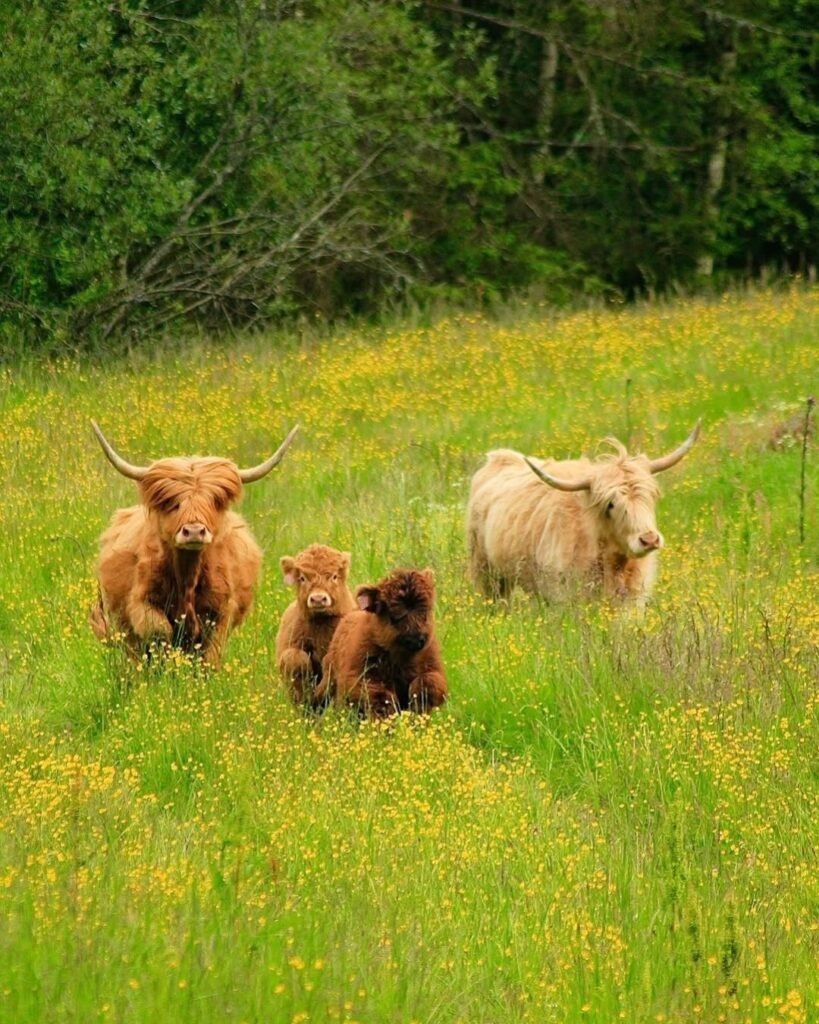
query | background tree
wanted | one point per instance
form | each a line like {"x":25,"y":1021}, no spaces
{"x":236,"y":162}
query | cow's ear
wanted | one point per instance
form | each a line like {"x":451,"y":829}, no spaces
{"x":367,"y":598}
{"x":346,"y":558}
{"x":288,"y":565}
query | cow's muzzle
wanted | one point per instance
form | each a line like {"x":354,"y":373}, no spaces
{"x":650,"y":541}
{"x":413,"y":642}
{"x":319,"y":599}
{"x":192,"y":536}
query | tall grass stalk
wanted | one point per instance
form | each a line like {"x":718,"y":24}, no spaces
{"x":809,"y":404}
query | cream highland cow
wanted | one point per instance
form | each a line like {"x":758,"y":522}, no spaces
{"x":558,"y":527}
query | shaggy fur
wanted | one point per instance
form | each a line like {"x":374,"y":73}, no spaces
{"x":319,"y":574}
{"x":153,"y":588}
{"x":522,"y":531}
{"x":385,"y":657}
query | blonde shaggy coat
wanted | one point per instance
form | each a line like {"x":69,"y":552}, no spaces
{"x":553,"y":542}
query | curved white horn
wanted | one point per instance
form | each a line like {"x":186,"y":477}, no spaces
{"x":126,"y":468}
{"x":556,"y":482}
{"x":666,"y":461}
{"x":248,"y":476}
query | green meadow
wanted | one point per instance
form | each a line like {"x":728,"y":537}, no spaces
{"x":614,"y":818}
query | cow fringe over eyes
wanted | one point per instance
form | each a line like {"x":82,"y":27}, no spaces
{"x":197,"y":487}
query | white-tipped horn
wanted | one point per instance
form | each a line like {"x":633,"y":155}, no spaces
{"x":249,"y":476}
{"x":126,"y":468}
{"x":666,"y":461}
{"x":553,"y":481}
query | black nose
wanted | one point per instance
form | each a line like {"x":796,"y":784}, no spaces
{"x":413,"y":641}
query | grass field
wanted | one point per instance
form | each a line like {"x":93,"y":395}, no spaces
{"x":612,"y":819}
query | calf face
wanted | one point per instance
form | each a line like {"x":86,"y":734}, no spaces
{"x":401,"y":606}
{"x":385,"y":657}
{"x":319,"y":574}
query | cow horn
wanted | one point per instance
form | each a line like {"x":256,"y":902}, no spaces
{"x":666,"y":461}
{"x":556,"y":482}
{"x":257,"y":472}
{"x":126,"y":468}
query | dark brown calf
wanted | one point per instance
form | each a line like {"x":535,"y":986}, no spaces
{"x":385,"y":657}
{"x":322,"y":597}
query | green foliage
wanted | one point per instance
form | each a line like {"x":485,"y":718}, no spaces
{"x":236,"y":163}
{"x":231,"y":162}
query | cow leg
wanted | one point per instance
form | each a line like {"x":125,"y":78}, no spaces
{"x":372,"y":699}
{"x":478,"y":563}
{"x":323,"y":693}
{"x":495,"y":585}
{"x":427,"y":692}
{"x":487,"y":579}
{"x":98,"y":620}
{"x":295,"y":662}
{"x":628,"y":580}
{"x":148,"y":622}
{"x":377,"y":701}
{"x":214,"y":644}
{"x":370,"y":696}
{"x":485,"y":576}
{"x":298,"y":670}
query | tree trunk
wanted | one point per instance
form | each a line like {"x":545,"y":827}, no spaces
{"x":715,"y":177}
{"x":548,"y":76}
{"x":546,"y":109}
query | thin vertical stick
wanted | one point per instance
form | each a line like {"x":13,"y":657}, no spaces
{"x":628,"y":413}
{"x":811,"y":401}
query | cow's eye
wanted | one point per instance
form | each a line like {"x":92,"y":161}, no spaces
{"x":609,"y":508}
{"x":302,"y":579}
{"x":334,"y":578}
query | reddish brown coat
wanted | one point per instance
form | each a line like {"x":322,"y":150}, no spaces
{"x":322,"y":598}
{"x":151,"y":587}
{"x":385,"y":657}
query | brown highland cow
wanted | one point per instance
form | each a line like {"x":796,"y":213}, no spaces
{"x":181,"y":567}
{"x":385,"y":657}
{"x":319,"y":574}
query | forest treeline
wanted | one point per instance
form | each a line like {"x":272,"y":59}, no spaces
{"x":236,"y":162}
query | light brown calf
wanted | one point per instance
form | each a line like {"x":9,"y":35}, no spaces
{"x":319,"y":574}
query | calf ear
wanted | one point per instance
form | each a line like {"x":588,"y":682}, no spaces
{"x":367,"y":598}
{"x":288,"y":565}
